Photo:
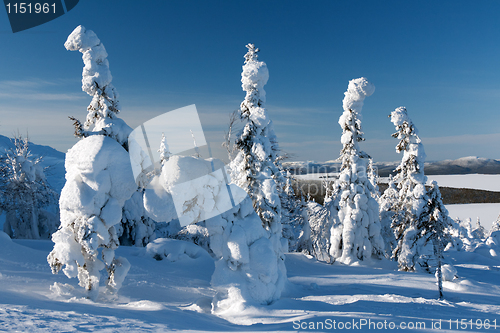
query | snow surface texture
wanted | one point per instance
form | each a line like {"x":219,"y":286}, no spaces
{"x":475,"y":181}
{"x":96,"y":81}
{"x":355,"y":230}
{"x":175,"y":295}
{"x":99,"y":180}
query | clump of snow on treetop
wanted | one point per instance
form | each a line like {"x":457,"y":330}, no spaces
{"x":357,"y":91}
{"x":96,"y":81}
{"x":96,"y":71}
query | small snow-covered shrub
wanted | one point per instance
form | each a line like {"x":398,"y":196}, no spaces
{"x":24,"y":192}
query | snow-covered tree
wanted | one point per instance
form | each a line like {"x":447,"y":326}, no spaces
{"x":164,"y":150}
{"x":495,"y":226}
{"x":99,"y":179}
{"x":433,"y":223}
{"x":356,"y":234}
{"x":253,"y":169}
{"x":24,"y":192}
{"x":248,"y":268}
{"x":411,"y":213}
{"x":294,"y":219}
{"x":387,"y":203}
{"x":96,"y":81}
{"x":478,"y":232}
{"x":320,"y":221}
{"x":136,"y":228}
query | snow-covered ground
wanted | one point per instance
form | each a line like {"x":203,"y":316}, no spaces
{"x":474,"y":181}
{"x":160,"y":296}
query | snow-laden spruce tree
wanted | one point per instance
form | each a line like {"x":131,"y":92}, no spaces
{"x":495,"y":226}
{"x":479,"y":232}
{"x":387,"y":202}
{"x":99,"y":179}
{"x":248,"y":269}
{"x":356,"y":234}
{"x":296,"y":229}
{"x":24,"y":192}
{"x":432,"y":224}
{"x":255,"y":167}
{"x":412,"y":245}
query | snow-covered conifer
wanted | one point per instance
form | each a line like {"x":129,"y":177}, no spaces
{"x":356,"y":234}
{"x":255,"y":167}
{"x":432,"y":224}
{"x":164,"y":150}
{"x":415,"y":206}
{"x":478,"y":232}
{"x":24,"y":192}
{"x":96,"y":81}
{"x":412,"y":194}
{"x":387,"y":203}
{"x":320,"y":222}
{"x":294,"y":220}
{"x":495,"y":226}
{"x":99,"y":179}
{"x":136,"y":228}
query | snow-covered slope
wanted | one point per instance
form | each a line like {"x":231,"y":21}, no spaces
{"x":161,"y":296}
{"x":474,"y":181}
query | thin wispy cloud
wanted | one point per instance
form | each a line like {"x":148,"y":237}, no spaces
{"x":35,"y":89}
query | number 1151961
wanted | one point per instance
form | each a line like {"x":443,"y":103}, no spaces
{"x":29,"y":8}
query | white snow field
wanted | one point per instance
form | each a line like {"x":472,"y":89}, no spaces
{"x":487,"y":213}
{"x":474,"y":181}
{"x":174,"y":294}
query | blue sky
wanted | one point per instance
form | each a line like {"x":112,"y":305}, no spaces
{"x":440,"y":59}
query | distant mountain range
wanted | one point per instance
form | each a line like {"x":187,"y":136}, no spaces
{"x":464,"y":165}
{"x":53,"y":159}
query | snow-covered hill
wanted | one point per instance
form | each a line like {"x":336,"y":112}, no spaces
{"x":161,"y":296}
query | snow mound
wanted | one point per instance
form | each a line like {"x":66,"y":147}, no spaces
{"x":448,"y":272}
{"x":175,"y":250}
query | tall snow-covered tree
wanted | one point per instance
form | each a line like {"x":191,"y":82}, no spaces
{"x":96,"y":82}
{"x":412,"y":244}
{"x":356,"y":233}
{"x":99,"y":179}
{"x":432,"y":224}
{"x":254,"y":167}
{"x":24,"y":192}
